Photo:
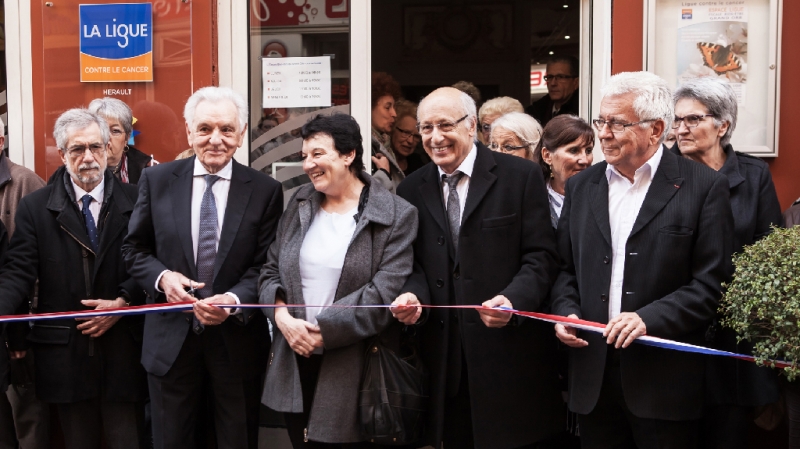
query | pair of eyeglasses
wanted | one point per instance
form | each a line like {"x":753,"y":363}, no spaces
{"x":615,"y":126}
{"x":551,"y":78}
{"x":79,"y":150}
{"x":506,"y":148}
{"x":691,"y":120}
{"x":444,"y":127}
{"x":408,"y":135}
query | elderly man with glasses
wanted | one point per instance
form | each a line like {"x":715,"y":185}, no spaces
{"x":69,"y":235}
{"x":645,"y":242}
{"x":484,"y":239}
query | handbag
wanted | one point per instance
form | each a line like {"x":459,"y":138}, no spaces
{"x":393,"y":396}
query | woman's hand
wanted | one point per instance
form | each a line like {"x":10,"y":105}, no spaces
{"x":406,"y":308}
{"x":381,"y":161}
{"x":302,"y":336}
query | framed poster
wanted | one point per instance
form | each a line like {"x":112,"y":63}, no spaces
{"x":735,"y":40}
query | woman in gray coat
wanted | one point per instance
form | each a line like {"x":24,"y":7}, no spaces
{"x":344,"y":240}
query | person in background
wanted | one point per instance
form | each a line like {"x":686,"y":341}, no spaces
{"x":27,"y":417}
{"x":346,"y":240}
{"x":645,"y":245}
{"x":564,"y":151}
{"x":562,"y":96}
{"x":125,"y":161}
{"x":484,"y":240}
{"x":385,"y":93}
{"x":791,"y":217}
{"x":491,"y":111}
{"x":406,"y":138}
{"x":671,"y":139}
{"x":705,"y":118}
{"x":69,"y":234}
{"x":469,"y":89}
{"x":515,"y":133}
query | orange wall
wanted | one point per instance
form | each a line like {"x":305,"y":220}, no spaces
{"x":626,"y":55}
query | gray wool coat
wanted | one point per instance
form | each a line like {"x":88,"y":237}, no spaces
{"x":379,"y":259}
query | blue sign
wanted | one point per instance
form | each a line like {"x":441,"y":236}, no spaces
{"x":116,"y":31}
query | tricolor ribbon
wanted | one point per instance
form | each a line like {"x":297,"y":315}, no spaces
{"x":589,"y":326}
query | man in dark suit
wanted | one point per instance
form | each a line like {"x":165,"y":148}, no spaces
{"x":561,"y":75}
{"x":493,"y":381}
{"x":204,"y":224}
{"x":69,"y":235}
{"x":645,"y":242}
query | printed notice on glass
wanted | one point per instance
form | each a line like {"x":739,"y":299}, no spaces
{"x":712,"y":41}
{"x":296,"y":82}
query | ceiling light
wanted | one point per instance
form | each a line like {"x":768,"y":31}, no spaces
{"x":551,"y":52}
{"x":566,"y":37}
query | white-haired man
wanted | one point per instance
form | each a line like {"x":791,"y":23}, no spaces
{"x":484,"y":238}
{"x":645,"y":242}
{"x":204,"y":224}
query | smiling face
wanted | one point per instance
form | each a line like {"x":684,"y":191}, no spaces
{"x":383,"y":114}
{"x":446,"y":149}
{"x":629,"y":149}
{"x":405,"y":136}
{"x":85,"y":167}
{"x":328,"y":169}
{"x":214,"y":134}
{"x":703,"y":137}
{"x":569,"y":160}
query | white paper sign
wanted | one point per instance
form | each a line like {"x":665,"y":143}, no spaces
{"x":296,"y":82}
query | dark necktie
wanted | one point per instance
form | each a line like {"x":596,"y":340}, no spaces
{"x":453,"y":206}
{"x":91,"y":228}
{"x":207,"y":238}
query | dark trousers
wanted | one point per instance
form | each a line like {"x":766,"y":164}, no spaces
{"x":85,"y":424}
{"x":726,"y":426}
{"x":175,"y":398}
{"x":22,"y":415}
{"x":296,"y":423}
{"x":611,"y":425}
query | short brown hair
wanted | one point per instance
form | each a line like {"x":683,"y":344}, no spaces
{"x":559,"y":131}
{"x":382,"y":85}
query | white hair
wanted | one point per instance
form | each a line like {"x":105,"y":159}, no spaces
{"x":522,"y":125}
{"x":112,"y":108}
{"x":653,"y":97}
{"x":215,"y":94}
{"x":500,"y":106}
{"x":717,"y":96}
{"x":78,"y":119}
{"x":2,"y":128}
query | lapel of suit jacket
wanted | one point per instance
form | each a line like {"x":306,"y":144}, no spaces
{"x":431,"y":192}
{"x":180,"y":188}
{"x":116,"y":205}
{"x":62,"y":202}
{"x":665,"y":185}
{"x":238,"y":197}
{"x":480,"y":182}
{"x":599,"y":204}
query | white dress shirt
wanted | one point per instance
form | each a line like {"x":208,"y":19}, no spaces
{"x":97,"y":195}
{"x":463,"y":184}
{"x":625,"y":198}
{"x":322,"y":258}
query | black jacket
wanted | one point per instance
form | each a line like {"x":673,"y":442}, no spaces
{"x":51,"y":243}
{"x":542,"y":109}
{"x":137,"y":161}
{"x":755,"y":207}
{"x":506,"y":247}
{"x":160,"y":238}
{"x":678,"y":254}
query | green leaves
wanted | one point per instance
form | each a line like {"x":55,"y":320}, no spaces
{"x":762,"y":301}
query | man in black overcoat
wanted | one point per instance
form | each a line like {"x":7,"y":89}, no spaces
{"x":205,"y":224}
{"x":69,"y":235}
{"x":645,"y":243}
{"x":493,"y":382}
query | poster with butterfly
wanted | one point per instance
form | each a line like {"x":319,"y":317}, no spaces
{"x":712,"y":41}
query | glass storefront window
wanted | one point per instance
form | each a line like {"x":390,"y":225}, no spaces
{"x":291,"y":29}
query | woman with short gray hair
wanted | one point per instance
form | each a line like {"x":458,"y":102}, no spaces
{"x":125,"y":161}
{"x":705,"y":117}
{"x":515,"y":133}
